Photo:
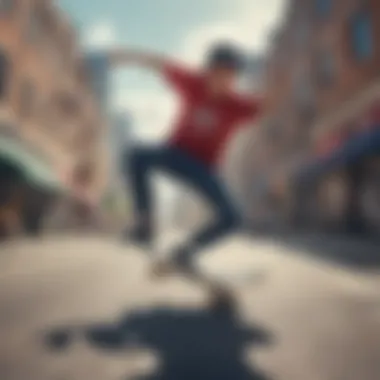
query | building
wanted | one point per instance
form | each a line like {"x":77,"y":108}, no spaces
{"x":236,"y":168}
{"x":323,"y":102}
{"x":48,"y":114}
{"x":98,"y":66}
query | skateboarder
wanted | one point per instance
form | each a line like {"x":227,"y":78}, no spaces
{"x":211,"y":113}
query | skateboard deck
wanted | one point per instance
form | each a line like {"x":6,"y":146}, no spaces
{"x":218,"y":286}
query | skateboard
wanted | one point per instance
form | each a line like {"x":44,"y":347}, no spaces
{"x":221,"y":296}
{"x":221,"y":293}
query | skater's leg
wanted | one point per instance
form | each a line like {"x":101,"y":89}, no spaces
{"x":226,"y":218}
{"x":207,"y":183}
{"x":138,"y":166}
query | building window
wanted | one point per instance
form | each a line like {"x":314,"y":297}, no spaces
{"x":6,"y":5}
{"x":304,"y":97}
{"x":362,"y":37}
{"x":27,"y":98}
{"x":274,"y":132}
{"x":4,"y":73}
{"x":39,"y":23}
{"x":323,"y":7}
{"x":83,"y":173}
{"x":307,"y":114}
{"x":70,"y":105}
{"x":33,"y":29}
{"x":325,"y":68}
{"x":302,"y":33}
{"x":303,"y":89}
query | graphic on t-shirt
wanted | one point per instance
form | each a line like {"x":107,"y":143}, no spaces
{"x":204,"y":119}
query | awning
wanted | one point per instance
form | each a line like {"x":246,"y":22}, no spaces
{"x":33,"y":168}
{"x":360,"y":145}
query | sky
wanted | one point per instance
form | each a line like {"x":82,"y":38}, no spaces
{"x":182,"y":29}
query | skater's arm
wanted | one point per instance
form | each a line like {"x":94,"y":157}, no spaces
{"x":181,"y":78}
{"x":148,"y":60}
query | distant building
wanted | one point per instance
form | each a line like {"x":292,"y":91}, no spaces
{"x":120,"y":141}
{"x":98,"y":68}
{"x":119,"y":133}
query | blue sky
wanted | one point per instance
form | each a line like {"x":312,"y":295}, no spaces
{"x":158,"y":24}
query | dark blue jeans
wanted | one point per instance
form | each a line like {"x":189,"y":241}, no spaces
{"x":180,"y":165}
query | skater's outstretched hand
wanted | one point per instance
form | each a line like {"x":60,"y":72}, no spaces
{"x":137,"y":57}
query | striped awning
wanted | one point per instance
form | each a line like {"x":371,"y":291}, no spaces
{"x":364,"y":144}
{"x":34,"y":169}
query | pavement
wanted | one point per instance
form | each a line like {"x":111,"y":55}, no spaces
{"x":85,"y":307}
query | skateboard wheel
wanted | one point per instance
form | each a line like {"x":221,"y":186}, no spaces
{"x":59,"y":340}
{"x":162,"y":269}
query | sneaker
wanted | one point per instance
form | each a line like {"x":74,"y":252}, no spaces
{"x":163,"y":268}
{"x":168,"y":267}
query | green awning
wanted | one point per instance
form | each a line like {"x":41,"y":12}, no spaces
{"x":32,"y":167}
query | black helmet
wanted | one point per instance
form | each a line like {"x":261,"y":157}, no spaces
{"x":227,"y":55}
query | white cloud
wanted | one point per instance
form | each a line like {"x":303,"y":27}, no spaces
{"x":248,"y":24}
{"x":152,"y":111}
{"x":100,"y":35}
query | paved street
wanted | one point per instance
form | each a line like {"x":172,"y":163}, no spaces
{"x":87,"y":308}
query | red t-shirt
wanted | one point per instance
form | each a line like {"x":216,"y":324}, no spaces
{"x":205,"y":123}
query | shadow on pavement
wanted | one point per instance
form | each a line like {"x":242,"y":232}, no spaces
{"x":190,"y":343}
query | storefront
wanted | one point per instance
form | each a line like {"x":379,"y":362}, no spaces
{"x":28,"y":186}
{"x":344,"y":179}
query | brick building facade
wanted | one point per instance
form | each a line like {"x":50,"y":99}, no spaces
{"x":323,"y":88}
{"x":46,"y":102}
{"x":44,"y":91}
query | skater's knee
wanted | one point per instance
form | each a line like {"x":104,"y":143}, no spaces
{"x":231,"y":219}
{"x":135,"y":161}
